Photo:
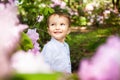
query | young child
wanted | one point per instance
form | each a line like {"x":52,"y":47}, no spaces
{"x":56,"y":52}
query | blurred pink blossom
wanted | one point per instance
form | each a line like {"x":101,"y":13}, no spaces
{"x":36,"y":49}
{"x":106,"y":14}
{"x":2,"y":6}
{"x":57,"y":2}
{"x":10,"y":30}
{"x":60,"y":3}
{"x":26,"y":62}
{"x":33,"y":35}
{"x":89,"y":7}
{"x":72,"y":12}
{"x":40,"y":18}
{"x":100,"y":19}
{"x":104,"y":65}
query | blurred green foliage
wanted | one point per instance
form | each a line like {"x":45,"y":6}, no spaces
{"x":52,"y":76}
{"x":85,"y":44}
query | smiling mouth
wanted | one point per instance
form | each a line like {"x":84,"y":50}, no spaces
{"x":57,"y":32}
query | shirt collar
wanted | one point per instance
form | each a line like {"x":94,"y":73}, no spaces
{"x":58,"y":42}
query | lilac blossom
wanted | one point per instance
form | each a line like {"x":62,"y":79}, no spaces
{"x":89,"y":7}
{"x":26,"y":62}
{"x":34,"y":37}
{"x":106,"y":14}
{"x":104,"y":65}
{"x":10,"y":27}
{"x":2,"y":6}
{"x":57,"y":2}
{"x":60,"y":3}
{"x":72,"y":12}
{"x":36,"y":49}
{"x":40,"y":18}
{"x":100,"y":19}
{"x":10,"y":33}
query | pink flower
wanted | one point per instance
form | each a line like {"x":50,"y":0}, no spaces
{"x":40,"y":18}
{"x":10,"y":29}
{"x":36,"y":49}
{"x":104,"y":65}
{"x":34,"y":37}
{"x":57,"y":2}
{"x":89,"y":7}
{"x":2,"y":6}
{"x":60,"y":3}
{"x":5,"y":68}
{"x":26,"y":62}
{"x":10,"y":33}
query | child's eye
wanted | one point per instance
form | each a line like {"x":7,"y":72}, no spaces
{"x":52,"y":24}
{"x":62,"y":24}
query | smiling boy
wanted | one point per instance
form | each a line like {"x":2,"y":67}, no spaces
{"x":56,"y":52}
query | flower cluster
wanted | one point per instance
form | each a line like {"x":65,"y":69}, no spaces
{"x":104,"y":65}
{"x":10,"y":27}
{"x":26,"y":62}
{"x":34,"y":37}
{"x":10,"y":30}
{"x":40,"y":18}
{"x":60,"y":3}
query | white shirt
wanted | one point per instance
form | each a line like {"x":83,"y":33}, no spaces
{"x":57,"y":55}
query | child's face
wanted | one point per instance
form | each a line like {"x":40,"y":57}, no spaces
{"x":58,"y":27}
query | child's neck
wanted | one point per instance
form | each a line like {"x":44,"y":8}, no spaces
{"x":61,"y":41}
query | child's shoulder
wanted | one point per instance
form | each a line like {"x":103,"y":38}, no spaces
{"x":66,"y":44}
{"x":49,"y":44}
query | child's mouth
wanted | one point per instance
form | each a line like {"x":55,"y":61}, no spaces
{"x":57,"y":32}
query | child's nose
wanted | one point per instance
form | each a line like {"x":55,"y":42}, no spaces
{"x":57,"y":26}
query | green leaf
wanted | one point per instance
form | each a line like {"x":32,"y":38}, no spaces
{"x":50,"y":10}
{"x":46,"y":11}
{"x":26,"y":42}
